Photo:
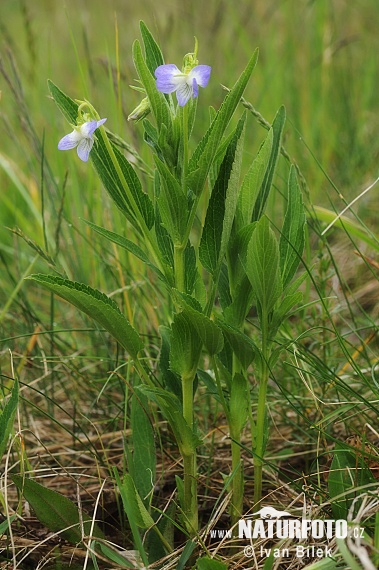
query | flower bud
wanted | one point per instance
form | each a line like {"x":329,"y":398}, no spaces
{"x":141,"y":111}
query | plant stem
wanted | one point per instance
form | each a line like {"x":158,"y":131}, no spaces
{"x":189,"y":460}
{"x":185,"y":148}
{"x":261,"y":414}
{"x":179,"y":267}
{"x":237,"y":483}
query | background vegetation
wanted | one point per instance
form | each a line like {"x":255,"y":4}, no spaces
{"x":319,"y":59}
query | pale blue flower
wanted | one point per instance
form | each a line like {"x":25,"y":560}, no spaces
{"x":81,"y":137}
{"x":186,"y":85}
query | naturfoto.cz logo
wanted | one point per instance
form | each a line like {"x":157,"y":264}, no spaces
{"x":274,"y":524}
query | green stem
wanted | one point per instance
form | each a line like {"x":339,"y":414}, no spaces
{"x":237,"y":483}
{"x":190,"y":493}
{"x":190,"y":506}
{"x":185,"y":148}
{"x":179,"y":267}
{"x":261,"y":414}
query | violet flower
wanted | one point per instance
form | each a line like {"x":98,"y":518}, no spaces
{"x":186,"y":85}
{"x":81,"y":137}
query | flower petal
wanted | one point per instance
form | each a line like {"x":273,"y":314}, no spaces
{"x":84,"y":149}
{"x":169,"y":78}
{"x":70,"y":141}
{"x":184,"y":94}
{"x":201,"y":73}
{"x":87,"y":129}
{"x":195,"y":88}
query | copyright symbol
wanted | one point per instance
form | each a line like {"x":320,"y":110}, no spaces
{"x":248,"y":551}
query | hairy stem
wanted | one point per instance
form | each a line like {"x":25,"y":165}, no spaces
{"x":261,"y":414}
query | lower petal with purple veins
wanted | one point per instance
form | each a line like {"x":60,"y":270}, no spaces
{"x":184,"y":94}
{"x":84,"y":148}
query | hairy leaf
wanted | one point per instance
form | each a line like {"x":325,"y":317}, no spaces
{"x":262,"y":266}
{"x":97,"y":306}
{"x":222,"y":204}
{"x":292,"y":239}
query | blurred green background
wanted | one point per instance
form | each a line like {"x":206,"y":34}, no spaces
{"x":318,"y":58}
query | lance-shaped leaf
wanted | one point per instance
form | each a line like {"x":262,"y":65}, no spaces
{"x":292,"y":239}
{"x":133,"y":503}
{"x":348,"y":471}
{"x":172,"y":203}
{"x":202,"y":159}
{"x":252,"y":183}
{"x":56,"y":511}
{"x":242,"y":346}
{"x":277,"y":131}
{"x":222,"y":204}
{"x":115,"y":185}
{"x":7,"y":418}
{"x":237,"y":253}
{"x":144,"y":454}
{"x":185,"y":346}
{"x":154,"y":57}
{"x":157,"y":100}
{"x":96,"y":305}
{"x":207,"y":330}
{"x":239,"y":404}
{"x":262,"y":266}
{"x":172,"y":411}
{"x":128,"y":245}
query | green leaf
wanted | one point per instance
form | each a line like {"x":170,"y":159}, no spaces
{"x":157,"y":100}
{"x":208,"y":563}
{"x":202,"y":159}
{"x":292,"y":238}
{"x":172,"y":203}
{"x":171,"y":380}
{"x":207,"y":330}
{"x":347,"y":472}
{"x":282,"y":310}
{"x":67,"y":106}
{"x":144,"y":456}
{"x":242,"y":346}
{"x":252,"y":183}
{"x":4,"y":526}
{"x":262,"y":266}
{"x":222,"y":204}
{"x":277,"y":129}
{"x":185,"y":555}
{"x":109,"y":176}
{"x":7,"y":418}
{"x":55,"y":511}
{"x":114,"y":555}
{"x":172,"y":410}
{"x":237,"y":255}
{"x":185,"y":346}
{"x":135,"y":507}
{"x":132,"y":510}
{"x":128,"y":245}
{"x":97,"y":306}
{"x":154,"y":57}
{"x":239,"y":404}
{"x":235,"y":313}
{"x":191,"y":273}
